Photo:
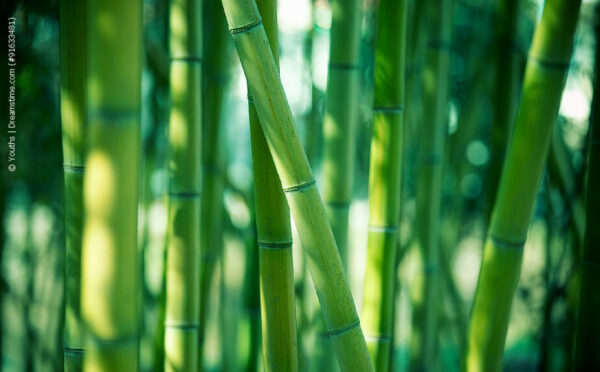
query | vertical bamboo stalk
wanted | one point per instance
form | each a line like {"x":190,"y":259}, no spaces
{"x":184,"y":164}
{"x":73,"y":116}
{"x":588,"y":325}
{"x":214,"y":77}
{"x":432,"y":133}
{"x":299,"y":185}
{"x":110,"y":282}
{"x":545,"y":74}
{"x":385,"y":180}
{"x":274,"y":235}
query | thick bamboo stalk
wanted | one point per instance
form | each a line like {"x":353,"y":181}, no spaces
{"x":299,"y":185}
{"x":385,"y":180}
{"x":432,"y":133}
{"x":184,"y":165}
{"x":215,"y":39}
{"x":73,"y":116}
{"x":110,"y":282}
{"x":274,"y":235}
{"x":587,"y":342}
{"x":505,"y":97}
{"x":545,"y":74}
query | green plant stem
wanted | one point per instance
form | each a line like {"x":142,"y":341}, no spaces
{"x":588,"y":324}
{"x":545,"y":74}
{"x":385,"y":180}
{"x":110,"y":283}
{"x":274,"y":235}
{"x":432,"y":135}
{"x":184,"y":166}
{"x":299,"y":185}
{"x":73,"y":116}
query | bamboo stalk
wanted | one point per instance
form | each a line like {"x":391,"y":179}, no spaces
{"x":545,"y":74}
{"x":298,"y":183}
{"x":214,"y":79}
{"x":73,"y":116}
{"x":110,"y":282}
{"x":588,"y":326}
{"x":385,"y":180}
{"x":274,"y":234}
{"x":183,"y":251}
{"x":432,"y":135}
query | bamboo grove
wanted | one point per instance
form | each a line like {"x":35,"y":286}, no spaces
{"x":301,"y":185}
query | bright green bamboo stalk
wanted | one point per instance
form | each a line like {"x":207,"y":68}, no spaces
{"x":274,"y":235}
{"x":587,"y":342}
{"x":183,"y":250}
{"x":432,"y":133}
{"x":507,"y":79}
{"x":215,"y":39}
{"x":339,"y":126}
{"x":385,"y":180}
{"x":73,"y":104}
{"x":299,"y":185}
{"x":545,"y":74}
{"x":110,"y":282}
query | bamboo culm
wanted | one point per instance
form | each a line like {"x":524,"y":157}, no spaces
{"x":110,"y":284}
{"x":385,"y":180}
{"x":73,"y":115}
{"x":545,"y":74}
{"x":299,"y":185}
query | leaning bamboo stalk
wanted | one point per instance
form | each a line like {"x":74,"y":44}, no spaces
{"x":214,"y":78}
{"x":385,"y":180}
{"x":432,"y":133}
{"x":184,"y":165}
{"x":299,"y":185}
{"x":110,"y":282}
{"x":545,"y":74}
{"x":73,"y":115}
{"x":587,"y":342}
{"x":274,"y":235}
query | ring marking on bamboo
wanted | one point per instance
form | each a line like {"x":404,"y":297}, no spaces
{"x":74,"y":168}
{"x":275,"y":245}
{"x":186,"y":59}
{"x":383,"y":229}
{"x":388,"y":110}
{"x":342,"y":331}
{"x":300,"y":188}
{"x":184,"y":195}
{"x":183,"y":326}
{"x":337,"y":204}
{"x":72,"y":350}
{"x":551,"y":65}
{"x":378,"y":338}
{"x":343,"y":66}
{"x":506,"y":244}
{"x":246,"y":28}
{"x":112,"y":115}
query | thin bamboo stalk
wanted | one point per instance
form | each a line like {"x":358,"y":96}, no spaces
{"x":73,"y":116}
{"x":298,"y":183}
{"x":274,"y":235}
{"x":249,"y":332}
{"x":385,"y":180}
{"x":110,"y":283}
{"x":545,"y":74}
{"x":588,"y":325}
{"x":214,"y":79}
{"x":432,"y":133}
{"x":183,"y":251}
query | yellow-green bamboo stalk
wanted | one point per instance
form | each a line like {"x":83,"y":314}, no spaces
{"x":215,"y":39}
{"x":587,"y":342}
{"x":184,"y":165}
{"x":73,"y":115}
{"x":545,"y":74}
{"x":432,"y":133}
{"x":385,"y":180}
{"x":274,"y":235}
{"x":110,"y":282}
{"x":299,"y":185}
{"x":507,"y":79}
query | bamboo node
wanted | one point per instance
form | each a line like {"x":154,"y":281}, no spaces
{"x":74,"y":168}
{"x":551,"y":65}
{"x":72,"y":350}
{"x":275,"y":245}
{"x":301,"y":187}
{"x":343,"y":66}
{"x":507,"y":244}
{"x":342,"y":331}
{"x":246,"y":28}
{"x":184,"y":195}
{"x":183,"y":326}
